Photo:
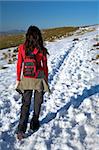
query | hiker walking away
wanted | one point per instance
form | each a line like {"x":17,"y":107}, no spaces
{"x":32,"y":74}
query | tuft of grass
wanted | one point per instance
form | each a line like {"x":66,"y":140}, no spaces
{"x":97,"y":44}
{"x":97,"y":57}
{"x":4,"y":55}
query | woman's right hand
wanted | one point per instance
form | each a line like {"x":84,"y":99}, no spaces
{"x":17,"y":83}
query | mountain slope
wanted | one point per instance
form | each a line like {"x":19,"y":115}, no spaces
{"x":70,"y":115}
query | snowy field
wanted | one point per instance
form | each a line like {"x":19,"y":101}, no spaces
{"x":70,"y":114}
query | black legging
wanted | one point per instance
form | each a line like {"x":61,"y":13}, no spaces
{"x":26,"y":101}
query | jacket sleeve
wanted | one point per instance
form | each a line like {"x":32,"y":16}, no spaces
{"x":19,"y":63}
{"x":45,"y":66}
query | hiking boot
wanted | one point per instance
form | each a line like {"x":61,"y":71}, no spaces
{"x":20,"y":136}
{"x":34,"y":124}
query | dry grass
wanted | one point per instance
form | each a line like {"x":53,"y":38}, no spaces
{"x":7,"y":41}
{"x":97,"y":57}
{"x":56,"y":33}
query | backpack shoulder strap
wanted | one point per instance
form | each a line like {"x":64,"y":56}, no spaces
{"x":35,"y":51}
{"x":22,"y":50}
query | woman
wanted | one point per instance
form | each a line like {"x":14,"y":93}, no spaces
{"x":32,"y":66}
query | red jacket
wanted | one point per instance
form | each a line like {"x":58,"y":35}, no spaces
{"x":40,"y":57}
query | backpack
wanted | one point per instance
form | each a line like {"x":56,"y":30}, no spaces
{"x":30,"y":64}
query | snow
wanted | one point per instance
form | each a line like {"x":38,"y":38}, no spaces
{"x":69,"y":116}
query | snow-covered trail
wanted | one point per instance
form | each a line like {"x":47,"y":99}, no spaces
{"x":69,"y":116}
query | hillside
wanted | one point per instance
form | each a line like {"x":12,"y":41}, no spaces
{"x":14,"y":39}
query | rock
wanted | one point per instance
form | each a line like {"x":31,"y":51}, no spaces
{"x":3,"y":67}
{"x":5,"y":56}
{"x":76,"y":39}
{"x":15,"y":50}
{"x":95,"y":45}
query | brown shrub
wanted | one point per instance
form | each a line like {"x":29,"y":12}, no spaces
{"x":95,"y":45}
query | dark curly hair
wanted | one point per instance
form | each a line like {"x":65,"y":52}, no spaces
{"x":34,"y":40}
